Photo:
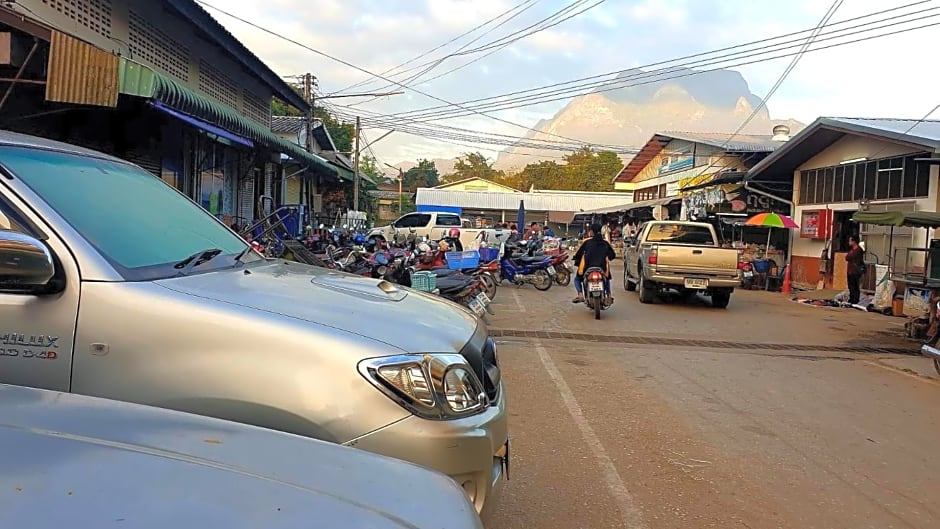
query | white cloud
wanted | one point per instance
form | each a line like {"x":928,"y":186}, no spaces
{"x":885,"y":77}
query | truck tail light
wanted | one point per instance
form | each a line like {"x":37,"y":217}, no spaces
{"x":654,"y":256}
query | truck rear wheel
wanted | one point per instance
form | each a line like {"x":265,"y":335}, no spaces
{"x":720,"y":300}
{"x":647,"y":291}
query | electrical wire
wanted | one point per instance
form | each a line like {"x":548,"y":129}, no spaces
{"x":516,"y":36}
{"x":658,"y":75}
{"x":363,"y":70}
{"x":700,"y":54}
{"x":783,"y":76}
{"x":392,"y":70}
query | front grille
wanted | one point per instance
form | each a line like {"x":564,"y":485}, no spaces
{"x":491,"y":371}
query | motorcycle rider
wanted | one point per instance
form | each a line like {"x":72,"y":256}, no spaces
{"x":595,"y":252}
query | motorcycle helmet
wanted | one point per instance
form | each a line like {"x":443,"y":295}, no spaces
{"x":443,"y":246}
{"x":454,"y":233}
{"x":425,"y":254}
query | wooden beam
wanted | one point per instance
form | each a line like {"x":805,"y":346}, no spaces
{"x":20,"y":22}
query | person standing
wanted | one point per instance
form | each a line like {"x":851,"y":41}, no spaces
{"x":855,"y":268}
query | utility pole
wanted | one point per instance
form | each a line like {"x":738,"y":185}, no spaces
{"x":401,"y":177}
{"x":356,"y":167}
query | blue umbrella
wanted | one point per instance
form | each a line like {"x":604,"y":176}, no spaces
{"x":520,"y":218}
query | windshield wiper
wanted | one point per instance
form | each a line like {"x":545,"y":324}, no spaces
{"x":186,"y":265}
{"x":243,"y":253}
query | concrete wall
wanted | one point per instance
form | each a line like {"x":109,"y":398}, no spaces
{"x":147,"y":32}
{"x":806,"y":252}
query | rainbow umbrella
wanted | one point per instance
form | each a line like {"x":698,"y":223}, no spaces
{"x":772,"y":220}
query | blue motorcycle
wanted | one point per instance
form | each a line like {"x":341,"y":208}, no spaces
{"x":525,"y":269}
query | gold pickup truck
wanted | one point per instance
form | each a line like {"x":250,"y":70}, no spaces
{"x":682,"y":256}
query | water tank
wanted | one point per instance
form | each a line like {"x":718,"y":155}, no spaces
{"x":781,"y":133}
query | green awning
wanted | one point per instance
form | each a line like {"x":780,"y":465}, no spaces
{"x":139,"y":80}
{"x":913,"y":219}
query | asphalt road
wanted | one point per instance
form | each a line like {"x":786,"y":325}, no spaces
{"x":765,"y":414}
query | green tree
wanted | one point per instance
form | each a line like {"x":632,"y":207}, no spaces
{"x":342,"y":132}
{"x":423,"y":175}
{"x":543,"y":175}
{"x":473,"y":165}
{"x":588,"y":170}
{"x":369,"y":167}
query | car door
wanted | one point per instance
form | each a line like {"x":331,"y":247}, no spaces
{"x":37,"y":332}
{"x":631,"y":253}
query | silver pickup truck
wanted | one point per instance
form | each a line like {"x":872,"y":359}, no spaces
{"x":114,"y":284}
{"x":682,"y":256}
{"x":71,"y":460}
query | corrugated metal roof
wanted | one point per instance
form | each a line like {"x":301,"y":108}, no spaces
{"x":928,"y":129}
{"x":287,"y":124}
{"x":81,"y":73}
{"x":739,"y":143}
{"x":180,"y":97}
{"x":823,"y":132}
{"x":510,"y":201}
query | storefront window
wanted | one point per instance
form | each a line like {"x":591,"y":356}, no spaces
{"x":885,"y":179}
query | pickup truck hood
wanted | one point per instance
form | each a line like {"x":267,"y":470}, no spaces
{"x":98,"y":463}
{"x":406,"y":319}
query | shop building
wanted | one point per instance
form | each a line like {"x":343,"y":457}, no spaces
{"x":699,"y":176}
{"x":299,"y":186}
{"x":161,"y":84}
{"x":671,"y":161}
{"x":839,"y":166}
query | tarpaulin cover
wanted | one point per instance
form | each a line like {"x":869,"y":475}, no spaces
{"x":913,"y":219}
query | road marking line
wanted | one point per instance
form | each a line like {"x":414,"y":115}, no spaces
{"x":632,"y":517}
{"x":515,"y":295}
{"x":901,"y":371}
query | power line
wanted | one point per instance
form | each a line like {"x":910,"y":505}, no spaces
{"x":451,"y":41}
{"x":363,"y":70}
{"x":783,"y":76}
{"x":394,"y":120}
{"x":495,"y":108}
{"x":476,"y":59}
{"x":684,"y":58}
{"x":496,"y":46}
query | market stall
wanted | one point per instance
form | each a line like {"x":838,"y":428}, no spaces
{"x":914,"y":272}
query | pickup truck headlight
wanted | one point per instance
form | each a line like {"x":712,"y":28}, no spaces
{"x":432,"y":386}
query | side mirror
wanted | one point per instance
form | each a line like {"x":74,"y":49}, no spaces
{"x":26,"y":266}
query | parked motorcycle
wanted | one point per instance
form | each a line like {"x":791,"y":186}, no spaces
{"x":593,"y":288}
{"x":523,"y":270}
{"x":562,"y":267}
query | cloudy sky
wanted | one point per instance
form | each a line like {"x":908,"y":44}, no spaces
{"x":888,"y":77}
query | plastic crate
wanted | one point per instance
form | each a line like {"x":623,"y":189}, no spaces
{"x":462,"y":260}
{"x":488,"y":254}
{"x":425,"y":281}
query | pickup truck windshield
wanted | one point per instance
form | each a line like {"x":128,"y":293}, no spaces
{"x":139,"y":224}
{"x":680,"y":234}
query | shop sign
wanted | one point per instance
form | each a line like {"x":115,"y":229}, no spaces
{"x":730,"y":198}
{"x":696,"y":180}
{"x":677,"y":159}
{"x":764,"y":204}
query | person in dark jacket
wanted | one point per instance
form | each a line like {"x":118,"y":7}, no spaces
{"x":855,"y":268}
{"x":594,"y":253}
